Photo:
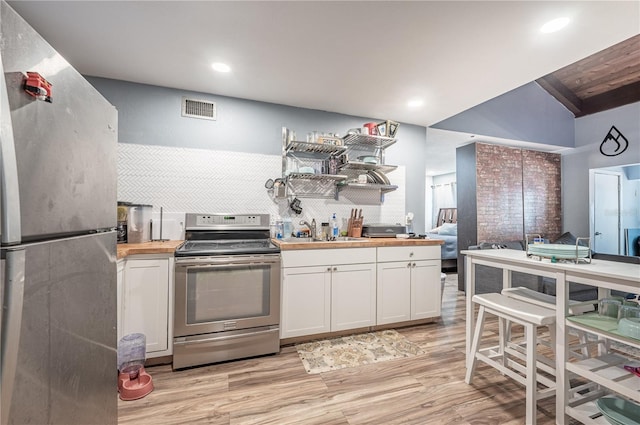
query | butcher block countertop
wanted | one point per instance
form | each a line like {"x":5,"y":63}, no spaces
{"x":292,"y":244}
{"x":166,"y":247}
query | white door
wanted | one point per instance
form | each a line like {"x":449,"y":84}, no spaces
{"x":353,"y":296}
{"x":145,"y":295}
{"x":306,"y":301}
{"x":394,"y":292}
{"x":606,"y":218}
{"x":425,"y":289}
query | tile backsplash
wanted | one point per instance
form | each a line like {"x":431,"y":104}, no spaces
{"x":197,"y":180}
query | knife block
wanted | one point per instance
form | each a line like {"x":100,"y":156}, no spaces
{"x":354,"y":228}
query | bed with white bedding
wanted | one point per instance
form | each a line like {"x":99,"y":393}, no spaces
{"x":447,"y":230}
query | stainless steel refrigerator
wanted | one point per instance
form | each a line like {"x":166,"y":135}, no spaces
{"x":58,"y":211}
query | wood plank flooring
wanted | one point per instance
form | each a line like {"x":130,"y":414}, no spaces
{"x":426,"y":389}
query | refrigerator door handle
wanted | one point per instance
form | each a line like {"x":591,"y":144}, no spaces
{"x":12,"y":302}
{"x":10,"y":225}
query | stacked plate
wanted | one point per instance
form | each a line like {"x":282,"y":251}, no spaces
{"x":560,"y":251}
{"x":619,"y":411}
{"x":379,"y":177}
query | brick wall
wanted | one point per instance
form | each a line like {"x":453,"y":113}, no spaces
{"x":499,"y":193}
{"x":542,"y":201}
{"x":518,"y":193}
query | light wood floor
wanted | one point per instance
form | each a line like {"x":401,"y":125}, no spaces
{"x":427,"y":389}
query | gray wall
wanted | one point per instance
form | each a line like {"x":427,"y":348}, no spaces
{"x":527,"y":113}
{"x":150,"y":115}
{"x":590,"y":132}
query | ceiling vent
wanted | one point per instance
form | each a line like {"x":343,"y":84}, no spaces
{"x":202,"y":109}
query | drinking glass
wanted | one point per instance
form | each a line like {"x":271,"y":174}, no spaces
{"x":628,"y":311}
{"x":609,"y":307}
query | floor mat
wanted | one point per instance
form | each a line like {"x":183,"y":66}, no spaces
{"x":355,"y":350}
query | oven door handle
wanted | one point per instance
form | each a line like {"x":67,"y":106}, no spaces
{"x":225,"y":265}
{"x":196,"y":261}
{"x":226,"y":262}
{"x":186,"y":342}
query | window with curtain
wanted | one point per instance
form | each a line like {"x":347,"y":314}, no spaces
{"x":444,"y":196}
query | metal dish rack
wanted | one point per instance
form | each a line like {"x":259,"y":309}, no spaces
{"x":332,"y":177}
{"x":577,"y":258}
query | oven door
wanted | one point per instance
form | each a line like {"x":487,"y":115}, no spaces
{"x":215,"y":294}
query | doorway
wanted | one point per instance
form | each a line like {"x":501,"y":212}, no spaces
{"x":605,"y":201}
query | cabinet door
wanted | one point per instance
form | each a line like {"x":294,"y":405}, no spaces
{"x":119,"y":284}
{"x":353,"y":296}
{"x":394,"y":292}
{"x":146,"y":301}
{"x":306,"y":301}
{"x":425,"y":289}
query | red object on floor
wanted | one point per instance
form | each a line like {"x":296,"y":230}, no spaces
{"x":134,"y":383}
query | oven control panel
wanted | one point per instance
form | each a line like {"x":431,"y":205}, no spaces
{"x":227,"y":220}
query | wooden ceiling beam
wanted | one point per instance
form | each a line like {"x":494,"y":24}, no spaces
{"x":617,"y":56}
{"x":558,"y":90}
{"x":612,"y":99}
{"x":604,"y":80}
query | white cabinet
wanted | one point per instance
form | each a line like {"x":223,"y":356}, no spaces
{"x":120,"y":280}
{"x":408,"y":283}
{"x":394,"y":292}
{"x":306,"y":301}
{"x":353,"y":296}
{"x":146,"y":301}
{"x":425,"y":289}
{"x":327,"y":290}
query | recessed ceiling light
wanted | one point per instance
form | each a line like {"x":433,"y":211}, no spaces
{"x":415,"y":103}
{"x":554,"y":25}
{"x":221,"y":67}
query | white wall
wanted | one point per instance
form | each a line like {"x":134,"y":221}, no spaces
{"x":204,"y":181}
{"x":150,"y":116}
{"x":576,"y":163}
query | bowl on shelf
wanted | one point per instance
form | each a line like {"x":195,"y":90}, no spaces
{"x":630,"y":327}
{"x":368,"y":159}
{"x":619,"y":411}
{"x":306,"y":170}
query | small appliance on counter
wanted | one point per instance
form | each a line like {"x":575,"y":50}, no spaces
{"x":382,"y":230}
{"x":133,"y":381}
{"x":139,"y":223}
{"x":123,"y":215}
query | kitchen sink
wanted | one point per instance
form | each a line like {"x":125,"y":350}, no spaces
{"x":351,"y":239}
{"x":338,"y":239}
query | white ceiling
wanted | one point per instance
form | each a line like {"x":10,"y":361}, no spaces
{"x":353,"y":57}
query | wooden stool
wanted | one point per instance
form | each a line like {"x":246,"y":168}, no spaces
{"x":528,"y":315}
{"x":549,"y":301}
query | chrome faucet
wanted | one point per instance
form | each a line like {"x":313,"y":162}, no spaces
{"x":312,"y":227}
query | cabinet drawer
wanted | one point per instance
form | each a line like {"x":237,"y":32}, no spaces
{"x":322,"y":257}
{"x":405,"y":253}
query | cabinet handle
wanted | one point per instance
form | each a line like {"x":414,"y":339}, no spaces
{"x":335,"y":269}
{"x":409,"y":265}
{"x":411,"y":254}
{"x":328,"y":269}
{"x":413,"y":265}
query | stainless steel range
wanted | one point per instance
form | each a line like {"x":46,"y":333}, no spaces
{"x":227,"y":290}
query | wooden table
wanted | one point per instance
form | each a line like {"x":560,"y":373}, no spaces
{"x":605,"y":275}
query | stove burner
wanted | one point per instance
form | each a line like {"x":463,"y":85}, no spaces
{"x":226,"y":247}
{"x":222,"y":234}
